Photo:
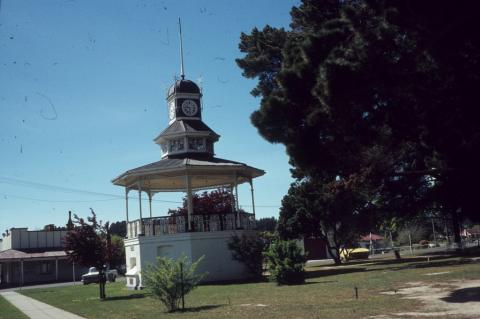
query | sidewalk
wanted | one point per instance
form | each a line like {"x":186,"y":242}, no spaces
{"x":36,"y":309}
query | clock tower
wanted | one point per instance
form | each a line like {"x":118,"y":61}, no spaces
{"x":184,"y":101}
{"x":186,"y":135}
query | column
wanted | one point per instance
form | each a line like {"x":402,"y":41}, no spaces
{"x":150,"y":223}
{"x":126,"y":212}
{"x":21,"y":272}
{"x":140,"y":207}
{"x":237,"y":213}
{"x":189,"y":201}
{"x":253,"y":200}
{"x":150,"y":202}
{"x":56,"y":269}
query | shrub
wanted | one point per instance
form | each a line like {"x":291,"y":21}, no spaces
{"x":249,"y":251}
{"x":164,"y":280}
{"x":286,"y":262}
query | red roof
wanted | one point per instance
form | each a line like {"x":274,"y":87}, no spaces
{"x":12,"y":254}
{"x":371,"y":237}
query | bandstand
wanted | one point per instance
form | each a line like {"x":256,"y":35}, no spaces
{"x":187,"y":165}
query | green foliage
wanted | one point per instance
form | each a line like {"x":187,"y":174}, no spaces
{"x":414,"y":232}
{"x":117,"y":253}
{"x":286,"y":262}
{"x":169,"y":278}
{"x":335,"y":212}
{"x":266,"y":224}
{"x":249,"y":251}
{"x":377,"y":96}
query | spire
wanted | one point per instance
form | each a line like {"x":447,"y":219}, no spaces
{"x":70,"y":223}
{"x":182,"y":71}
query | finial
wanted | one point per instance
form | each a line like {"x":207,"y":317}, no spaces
{"x":182,"y":72}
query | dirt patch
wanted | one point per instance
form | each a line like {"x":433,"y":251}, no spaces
{"x":459,"y":299}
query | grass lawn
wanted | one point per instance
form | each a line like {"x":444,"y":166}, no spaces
{"x":8,"y":311}
{"x":328,"y":293}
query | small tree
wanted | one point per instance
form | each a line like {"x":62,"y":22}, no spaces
{"x":249,"y":251}
{"x":286,"y":262}
{"x":169,"y":280}
{"x":89,"y":244}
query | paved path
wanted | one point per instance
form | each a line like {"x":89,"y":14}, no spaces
{"x":36,"y":309}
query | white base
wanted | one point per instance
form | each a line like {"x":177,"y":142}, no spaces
{"x":218,"y":261}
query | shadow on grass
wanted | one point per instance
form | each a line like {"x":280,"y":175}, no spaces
{"x":321,"y":282}
{"x":200,"y":308}
{"x":128,"y":297}
{"x":332,"y":272}
{"x":464,"y":295}
{"x":430,"y":264}
{"x":235,"y":282}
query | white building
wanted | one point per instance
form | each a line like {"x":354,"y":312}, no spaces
{"x":32,"y":257}
{"x":187,"y":165}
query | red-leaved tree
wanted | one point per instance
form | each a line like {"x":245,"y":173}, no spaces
{"x":218,"y":201}
{"x":89,"y":244}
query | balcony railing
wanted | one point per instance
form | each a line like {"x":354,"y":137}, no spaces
{"x":159,"y":226}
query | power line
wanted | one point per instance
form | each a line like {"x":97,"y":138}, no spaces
{"x":48,"y":187}
{"x":56,"y":201}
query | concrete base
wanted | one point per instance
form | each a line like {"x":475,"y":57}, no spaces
{"x":217,"y":261}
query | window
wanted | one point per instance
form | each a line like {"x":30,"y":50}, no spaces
{"x":210,"y":147}
{"x":176,"y":145}
{"x":46,"y":267}
{"x":196,"y":144}
{"x":133,"y":262}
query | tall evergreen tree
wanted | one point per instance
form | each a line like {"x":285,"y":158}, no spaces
{"x":378,"y":91}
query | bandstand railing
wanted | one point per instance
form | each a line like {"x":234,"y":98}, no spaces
{"x":165,"y":225}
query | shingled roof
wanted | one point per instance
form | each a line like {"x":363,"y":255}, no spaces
{"x":187,"y":126}
{"x":13,"y":254}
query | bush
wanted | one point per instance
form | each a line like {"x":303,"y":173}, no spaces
{"x":286,"y":262}
{"x":164,"y":280}
{"x":249,"y":251}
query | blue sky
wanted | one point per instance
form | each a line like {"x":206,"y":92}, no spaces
{"x":82,"y":95}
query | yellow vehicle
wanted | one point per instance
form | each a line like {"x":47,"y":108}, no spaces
{"x":354,"y":253}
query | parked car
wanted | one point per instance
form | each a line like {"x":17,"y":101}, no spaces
{"x":354,"y":253}
{"x":93,"y":276}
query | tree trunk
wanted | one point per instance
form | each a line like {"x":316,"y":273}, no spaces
{"x":334,"y":252}
{"x":456,"y":230}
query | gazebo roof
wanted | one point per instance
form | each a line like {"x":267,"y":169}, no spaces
{"x":169,"y":174}
{"x":186,"y":126}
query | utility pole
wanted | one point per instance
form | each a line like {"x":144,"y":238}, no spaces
{"x":434,"y":235}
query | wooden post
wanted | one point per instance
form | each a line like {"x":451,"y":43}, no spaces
{"x":182,"y":288}
{"x":56,"y":269}
{"x":21,"y":272}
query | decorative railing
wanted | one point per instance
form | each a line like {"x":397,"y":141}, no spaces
{"x":158,"y":226}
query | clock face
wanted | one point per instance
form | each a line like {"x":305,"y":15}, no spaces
{"x":171,"y":110}
{"x":189,"y":108}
